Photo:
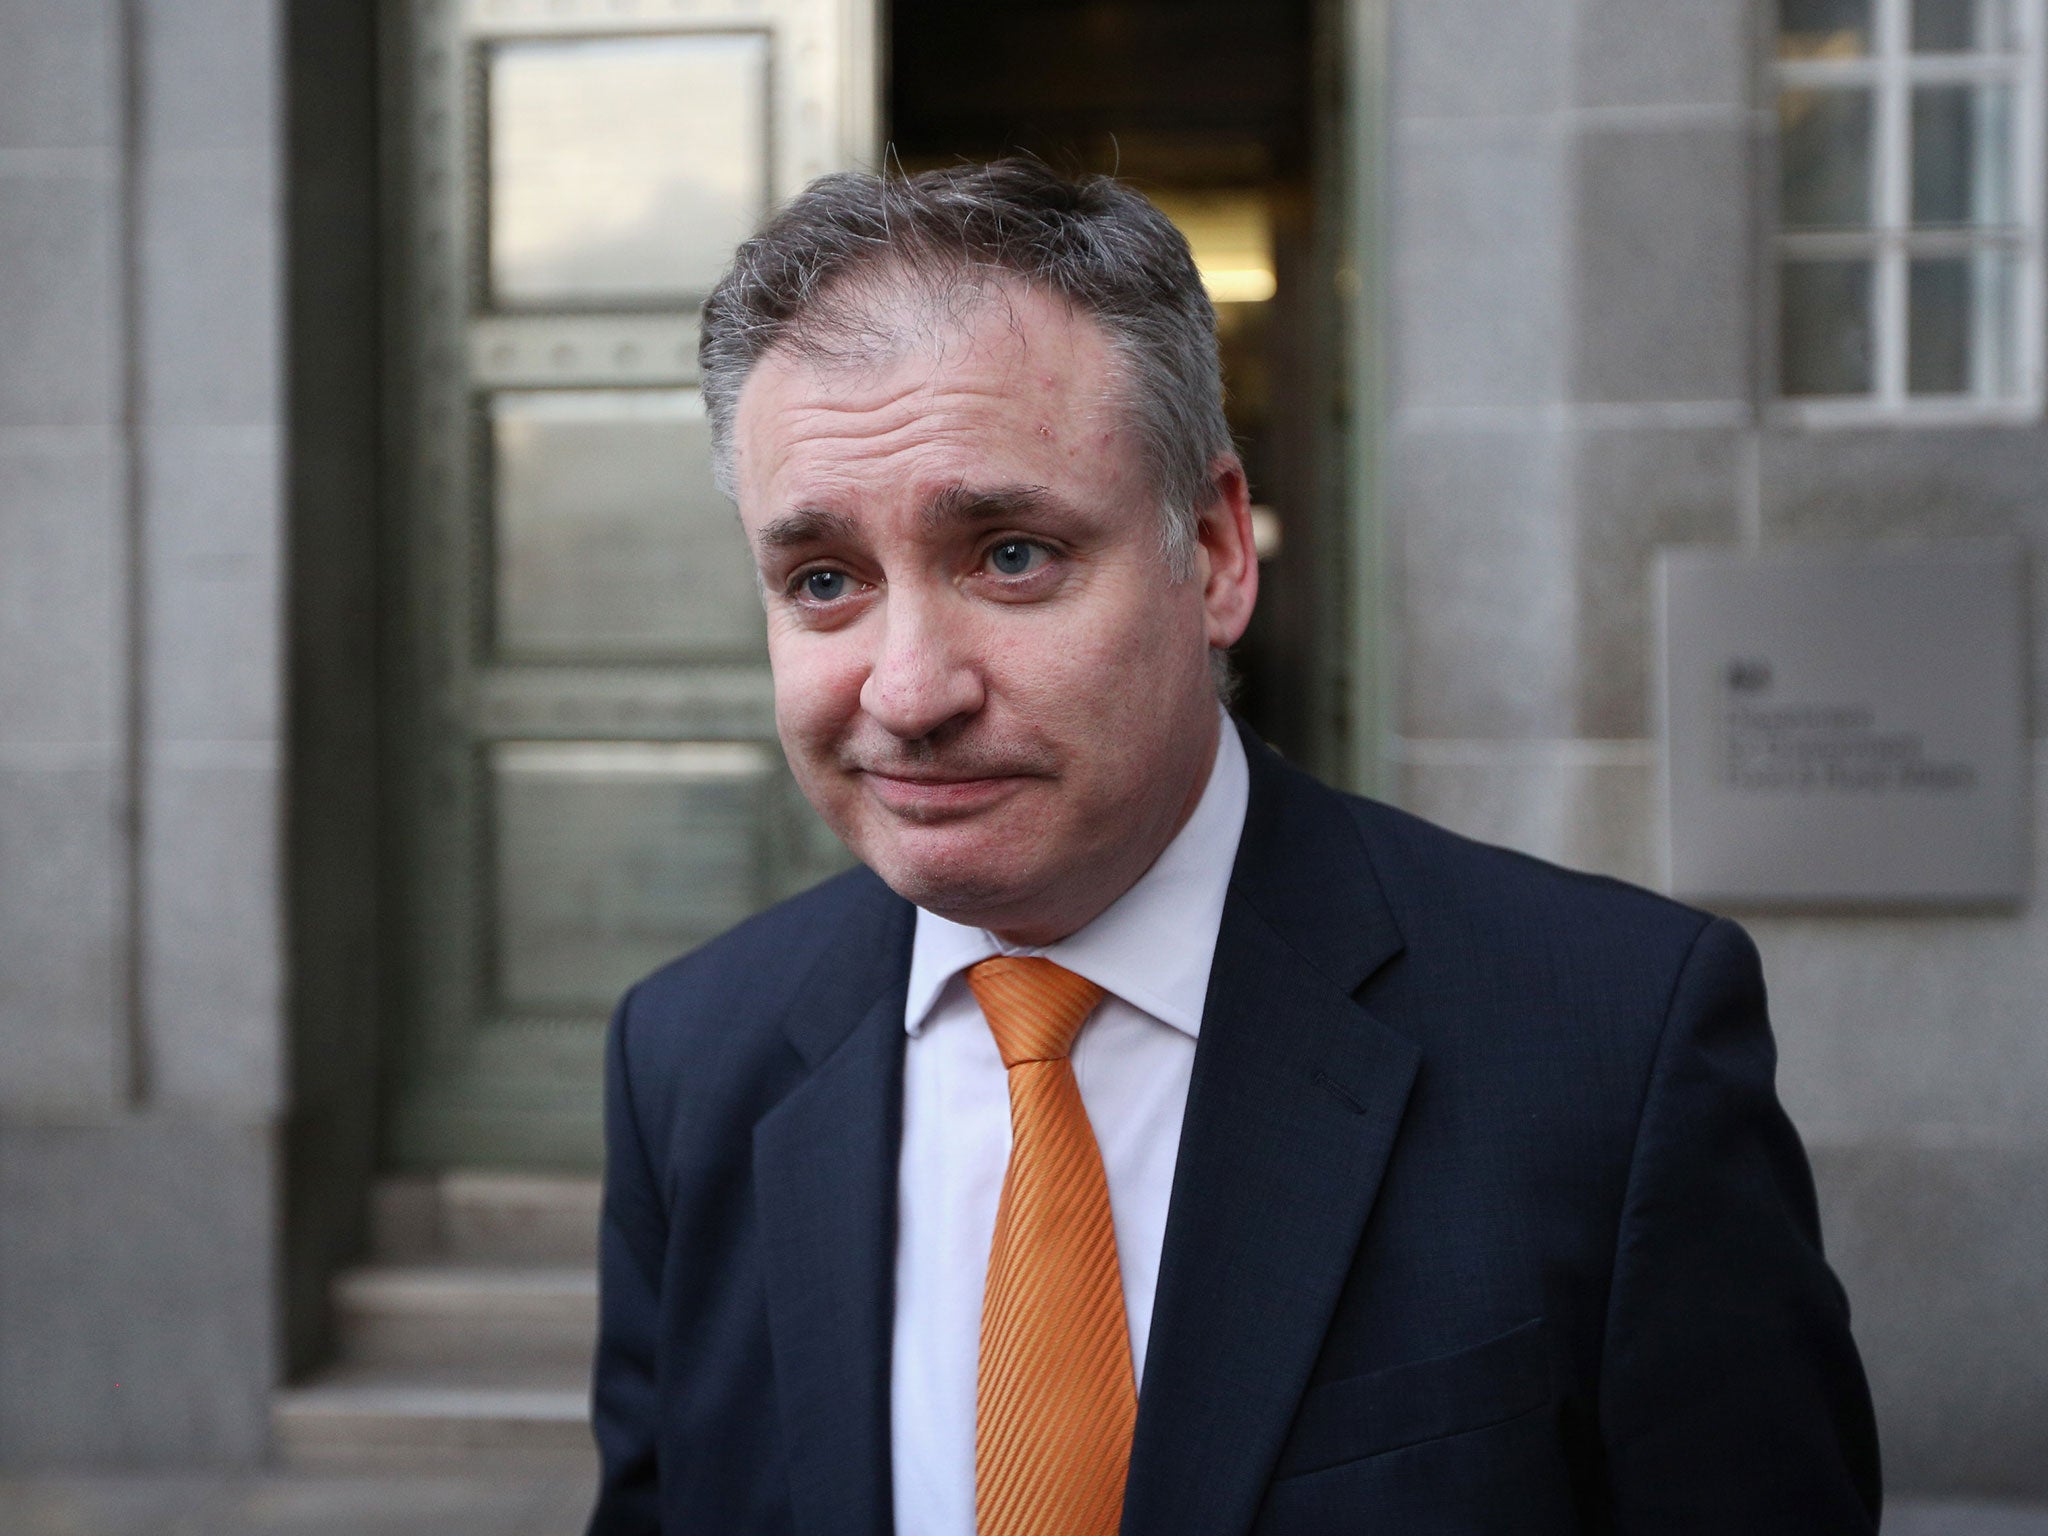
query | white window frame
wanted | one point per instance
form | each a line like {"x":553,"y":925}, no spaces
{"x":1893,"y":70}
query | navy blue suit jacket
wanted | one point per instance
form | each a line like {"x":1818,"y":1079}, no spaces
{"x":1485,"y":1219}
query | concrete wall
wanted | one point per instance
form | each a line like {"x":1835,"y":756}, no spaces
{"x":140,"y":556}
{"x":1576,"y":193}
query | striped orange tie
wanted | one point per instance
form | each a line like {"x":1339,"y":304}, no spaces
{"x":1056,"y":1401}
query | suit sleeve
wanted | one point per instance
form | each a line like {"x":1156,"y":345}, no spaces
{"x":632,"y":1238}
{"x":1732,"y":1397}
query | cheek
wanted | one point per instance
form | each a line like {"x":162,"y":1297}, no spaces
{"x":1112,"y":678}
{"x":817,"y":690}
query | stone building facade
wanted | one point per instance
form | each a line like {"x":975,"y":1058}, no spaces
{"x":1575,"y":196}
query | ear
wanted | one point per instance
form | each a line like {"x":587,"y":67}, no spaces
{"x":1225,"y":561}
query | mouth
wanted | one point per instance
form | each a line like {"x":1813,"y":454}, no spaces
{"x":928,"y":796}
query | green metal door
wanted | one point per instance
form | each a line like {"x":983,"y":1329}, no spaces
{"x":579,"y":740}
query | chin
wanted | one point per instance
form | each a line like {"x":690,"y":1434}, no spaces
{"x":960,"y":882}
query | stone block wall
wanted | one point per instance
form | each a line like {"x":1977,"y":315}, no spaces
{"x":140,"y":725}
{"x":1577,"y":200}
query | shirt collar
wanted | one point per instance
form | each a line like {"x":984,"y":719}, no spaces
{"x":1153,"y":945}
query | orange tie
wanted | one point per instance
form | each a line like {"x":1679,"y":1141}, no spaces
{"x":1056,"y":1401}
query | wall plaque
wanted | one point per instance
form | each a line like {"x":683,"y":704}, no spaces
{"x":1845,"y":726}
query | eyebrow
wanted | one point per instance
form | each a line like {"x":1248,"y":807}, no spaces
{"x":956,"y":505}
{"x":973,"y":505}
{"x":806,"y":525}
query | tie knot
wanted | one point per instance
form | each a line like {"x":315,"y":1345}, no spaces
{"x":1034,"y":1007}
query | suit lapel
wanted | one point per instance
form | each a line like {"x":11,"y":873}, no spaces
{"x":1295,"y":1101}
{"x":825,"y":1179}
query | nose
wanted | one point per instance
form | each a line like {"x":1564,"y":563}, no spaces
{"x":924,"y":673}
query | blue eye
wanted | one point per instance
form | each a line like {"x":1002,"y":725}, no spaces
{"x":825,"y":586}
{"x":1013,"y":557}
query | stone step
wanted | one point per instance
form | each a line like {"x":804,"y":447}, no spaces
{"x":486,"y":1217}
{"x":425,"y":1316}
{"x":466,"y":1343}
{"x":393,"y":1426}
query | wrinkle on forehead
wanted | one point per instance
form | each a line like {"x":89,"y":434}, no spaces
{"x":943,"y":381}
{"x":871,"y":321}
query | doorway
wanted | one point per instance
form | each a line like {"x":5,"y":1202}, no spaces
{"x":580,"y":768}
{"x":1210,"y":108}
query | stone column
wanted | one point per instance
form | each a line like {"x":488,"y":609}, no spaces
{"x":141,"y":518}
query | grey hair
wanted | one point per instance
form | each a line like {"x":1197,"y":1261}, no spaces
{"x":1093,"y":243}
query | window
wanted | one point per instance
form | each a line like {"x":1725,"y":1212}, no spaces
{"x":1908,"y":245}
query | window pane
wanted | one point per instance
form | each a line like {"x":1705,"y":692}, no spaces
{"x":1962,"y":168}
{"x":1824,"y":328}
{"x":1962,"y":26}
{"x":1961,"y":326}
{"x":1823,"y":29}
{"x":1824,"y":158}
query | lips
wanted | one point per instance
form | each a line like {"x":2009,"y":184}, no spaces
{"x":935,"y":797}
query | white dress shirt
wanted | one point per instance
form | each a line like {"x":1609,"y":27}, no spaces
{"x":1150,"y":952}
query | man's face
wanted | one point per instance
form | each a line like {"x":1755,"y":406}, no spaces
{"x":986,"y":679}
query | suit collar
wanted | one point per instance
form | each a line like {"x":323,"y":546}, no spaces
{"x":1303,"y":866}
{"x":865,"y":954}
{"x":825,"y":1182}
{"x":1293,"y":1110}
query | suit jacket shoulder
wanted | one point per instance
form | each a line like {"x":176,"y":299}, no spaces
{"x":1473,"y":936}
{"x":1512,"y":918}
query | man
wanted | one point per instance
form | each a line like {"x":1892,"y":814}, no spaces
{"x":1148,"y":1137}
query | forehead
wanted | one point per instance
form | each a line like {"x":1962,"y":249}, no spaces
{"x":1005,"y":377}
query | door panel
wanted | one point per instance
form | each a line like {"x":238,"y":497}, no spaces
{"x":579,"y":738}
{"x":594,"y":199}
{"x":612,"y":856}
{"x":609,"y":540}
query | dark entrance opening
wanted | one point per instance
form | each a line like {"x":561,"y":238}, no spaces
{"x":1208,"y":107}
